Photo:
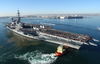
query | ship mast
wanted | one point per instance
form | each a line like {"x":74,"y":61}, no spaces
{"x":18,"y":16}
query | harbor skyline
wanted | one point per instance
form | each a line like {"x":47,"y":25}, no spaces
{"x":32,"y":7}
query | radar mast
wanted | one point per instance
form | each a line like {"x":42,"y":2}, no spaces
{"x":18,"y":16}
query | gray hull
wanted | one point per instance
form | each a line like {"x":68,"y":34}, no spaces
{"x":52,"y":39}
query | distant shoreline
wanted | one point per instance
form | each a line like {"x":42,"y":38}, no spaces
{"x":49,"y":15}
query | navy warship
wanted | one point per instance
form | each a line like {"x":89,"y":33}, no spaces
{"x":47,"y":33}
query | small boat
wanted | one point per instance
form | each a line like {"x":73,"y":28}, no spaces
{"x":62,"y":49}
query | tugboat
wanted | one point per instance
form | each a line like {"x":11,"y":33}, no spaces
{"x":62,"y":49}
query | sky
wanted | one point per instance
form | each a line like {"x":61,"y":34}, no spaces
{"x":31,"y":7}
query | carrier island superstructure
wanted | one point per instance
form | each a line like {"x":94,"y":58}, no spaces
{"x":46,"y":33}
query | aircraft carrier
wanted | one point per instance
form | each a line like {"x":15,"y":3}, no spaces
{"x":47,"y":33}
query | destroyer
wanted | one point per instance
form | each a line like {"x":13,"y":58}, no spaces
{"x":46,"y":33}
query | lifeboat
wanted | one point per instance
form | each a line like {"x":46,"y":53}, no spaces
{"x":62,"y":49}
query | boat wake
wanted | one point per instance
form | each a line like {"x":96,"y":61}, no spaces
{"x":37,"y":57}
{"x":95,"y":40}
{"x":46,"y":23}
{"x":98,"y":28}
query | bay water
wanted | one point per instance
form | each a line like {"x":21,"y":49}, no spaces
{"x":17,"y":49}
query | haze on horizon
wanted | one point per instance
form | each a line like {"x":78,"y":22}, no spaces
{"x":31,"y":7}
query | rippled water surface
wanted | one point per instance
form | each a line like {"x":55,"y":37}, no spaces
{"x":16,"y":49}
